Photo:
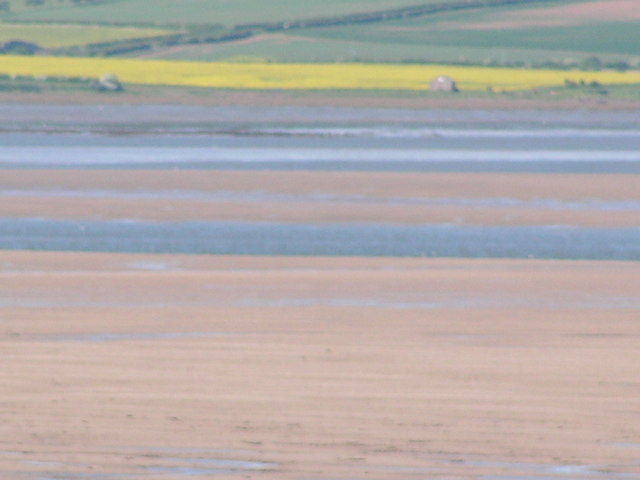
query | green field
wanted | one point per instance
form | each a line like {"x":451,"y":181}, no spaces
{"x":197,"y":12}
{"x":460,"y":37}
{"x":453,"y":30}
{"x":62,"y":36}
{"x":310,"y":47}
{"x":538,"y":33}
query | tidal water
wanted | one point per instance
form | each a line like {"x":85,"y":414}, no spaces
{"x":348,"y":148}
{"x":259,"y":238}
{"x":321,"y":140}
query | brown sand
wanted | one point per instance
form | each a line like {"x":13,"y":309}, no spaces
{"x":149,"y":366}
{"x":325,"y":197}
{"x":325,"y":368}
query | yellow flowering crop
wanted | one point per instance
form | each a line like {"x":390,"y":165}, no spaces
{"x":300,"y":76}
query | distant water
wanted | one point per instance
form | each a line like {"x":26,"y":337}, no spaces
{"x":253,"y":238}
{"x":542,"y":147}
{"x":373,"y":148}
{"x":591,"y":204}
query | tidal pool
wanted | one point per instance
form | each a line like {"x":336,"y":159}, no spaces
{"x":261,"y":238}
{"x":159,"y":464}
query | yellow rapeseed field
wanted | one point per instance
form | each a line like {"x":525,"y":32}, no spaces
{"x":300,"y":76}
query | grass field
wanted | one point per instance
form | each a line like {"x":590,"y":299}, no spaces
{"x":303,"y":47}
{"x":546,"y":33}
{"x":448,"y":30}
{"x":61,"y":36}
{"x":504,"y":34}
{"x":198,"y":12}
{"x":301,"y":76}
{"x":553,"y":32}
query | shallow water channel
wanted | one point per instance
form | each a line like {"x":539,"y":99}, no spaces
{"x":260,"y":238}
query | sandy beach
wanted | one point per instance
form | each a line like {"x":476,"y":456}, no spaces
{"x":316,"y":197}
{"x":139,"y":366}
{"x":173,"y":367}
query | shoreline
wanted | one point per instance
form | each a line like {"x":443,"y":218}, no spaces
{"x":139,"y":95}
{"x":278,"y":118}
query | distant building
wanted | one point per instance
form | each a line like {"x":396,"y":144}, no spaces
{"x":443,"y":83}
{"x":109,"y":83}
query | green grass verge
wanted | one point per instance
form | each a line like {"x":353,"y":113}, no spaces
{"x":28,"y":84}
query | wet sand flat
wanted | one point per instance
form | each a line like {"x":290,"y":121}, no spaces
{"x":165,"y":367}
{"x":315,"y":197}
{"x":172,"y":367}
